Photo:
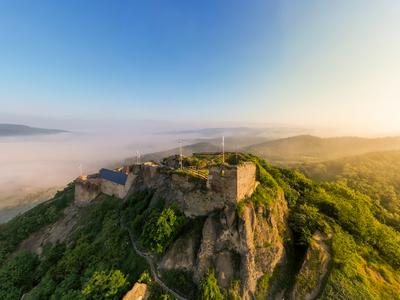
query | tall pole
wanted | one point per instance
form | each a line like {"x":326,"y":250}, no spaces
{"x":137,"y":157}
{"x":80,"y":170}
{"x":180,"y":154}
{"x":223,"y":150}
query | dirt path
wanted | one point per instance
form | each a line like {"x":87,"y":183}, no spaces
{"x":150,"y":261}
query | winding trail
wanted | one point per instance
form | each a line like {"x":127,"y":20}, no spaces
{"x":149,"y":259}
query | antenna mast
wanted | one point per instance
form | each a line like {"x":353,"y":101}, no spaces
{"x":223,"y":150}
{"x":180,"y":154}
{"x":80,"y":170}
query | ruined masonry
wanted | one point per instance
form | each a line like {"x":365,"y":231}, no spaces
{"x":111,"y":182}
{"x":231,"y":183}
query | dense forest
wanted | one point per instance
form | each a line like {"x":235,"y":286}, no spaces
{"x":97,"y":260}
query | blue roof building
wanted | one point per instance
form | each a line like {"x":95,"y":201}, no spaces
{"x":113,"y":176}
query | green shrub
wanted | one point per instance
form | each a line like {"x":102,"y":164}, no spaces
{"x":304,"y":221}
{"x":104,"y":285}
{"x":262,"y":286}
{"x":161,"y":228}
{"x":209,"y":287}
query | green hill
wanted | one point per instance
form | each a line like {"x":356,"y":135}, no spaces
{"x":374,"y":174}
{"x":23,"y":130}
{"x":306,"y":149}
{"x":335,"y":245}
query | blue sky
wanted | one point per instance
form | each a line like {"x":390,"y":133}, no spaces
{"x":292,"y":62}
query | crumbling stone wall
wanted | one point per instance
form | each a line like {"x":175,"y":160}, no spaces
{"x":86,"y":191}
{"x":223,"y":181}
{"x":233,"y":182}
{"x":149,"y":172}
{"x":246,"y":180}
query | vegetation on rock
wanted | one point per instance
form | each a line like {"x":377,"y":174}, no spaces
{"x":209,"y":287}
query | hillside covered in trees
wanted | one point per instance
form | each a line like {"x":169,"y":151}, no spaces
{"x":335,"y":244}
{"x":374,"y":174}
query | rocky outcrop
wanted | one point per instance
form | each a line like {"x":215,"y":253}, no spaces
{"x":140,"y":291}
{"x":181,"y":255}
{"x":58,"y":232}
{"x":243,"y":246}
{"x":262,"y":232}
{"x":225,"y":267}
{"x":315,"y":268}
{"x":86,"y":190}
{"x":240,"y":246}
{"x":207,"y":248}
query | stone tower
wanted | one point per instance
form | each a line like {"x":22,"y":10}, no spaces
{"x":233,"y":182}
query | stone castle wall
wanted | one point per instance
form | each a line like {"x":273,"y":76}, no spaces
{"x":149,"y":172}
{"x":246,"y":180}
{"x":86,"y":191}
{"x":118,"y":190}
{"x":233,"y":182}
{"x":223,"y":181}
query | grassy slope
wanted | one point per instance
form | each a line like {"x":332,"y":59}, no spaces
{"x":374,"y":174}
{"x":366,"y":252}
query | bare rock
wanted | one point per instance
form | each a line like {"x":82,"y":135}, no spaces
{"x":207,"y":248}
{"x":224,"y":266}
{"x":60,"y":231}
{"x":140,"y":291}
{"x":261,"y":234}
{"x":314,"y":269}
{"x":181,"y":255}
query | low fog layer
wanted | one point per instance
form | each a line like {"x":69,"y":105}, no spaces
{"x":30,"y":164}
{"x":34,"y":167}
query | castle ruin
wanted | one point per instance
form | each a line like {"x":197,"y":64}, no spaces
{"x":233,"y":182}
{"x":226,"y":184}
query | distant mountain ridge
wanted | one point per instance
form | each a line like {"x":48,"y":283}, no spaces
{"x":24,"y":130}
{"x":267,"y":132}
{"x":290,"y":151}
{"x":307,"y":148}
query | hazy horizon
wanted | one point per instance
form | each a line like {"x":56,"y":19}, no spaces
{"x":312,"y":64}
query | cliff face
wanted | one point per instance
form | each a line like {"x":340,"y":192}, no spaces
{"x":262,"y":234}
{"x":314,"y":269}
{"x":240,"y":246}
